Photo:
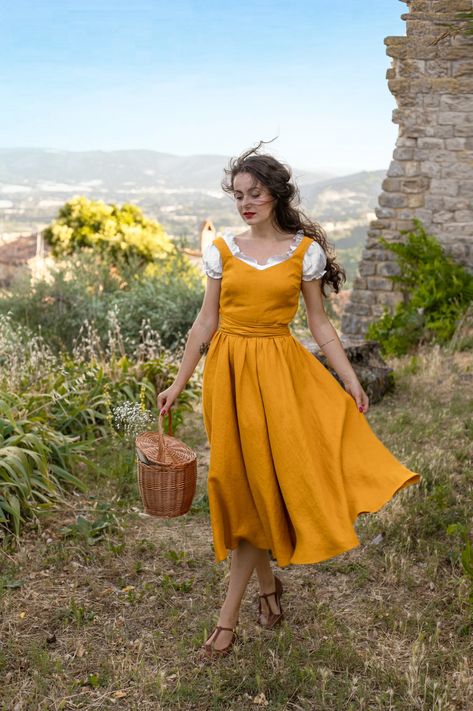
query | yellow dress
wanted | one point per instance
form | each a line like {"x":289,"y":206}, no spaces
{"x":292,"y":460}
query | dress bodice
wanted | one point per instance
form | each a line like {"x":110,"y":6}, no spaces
{"x":260,"y":302}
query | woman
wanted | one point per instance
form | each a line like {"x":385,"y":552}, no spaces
{"x":293,"y":461}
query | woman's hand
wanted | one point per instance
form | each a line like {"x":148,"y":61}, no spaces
{"x":353,"y":388}
{"x":167,"y":397}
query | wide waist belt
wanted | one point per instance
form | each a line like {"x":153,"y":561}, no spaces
{"x":229,"y":325}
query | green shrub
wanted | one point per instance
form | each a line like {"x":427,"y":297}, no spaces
{"x":84,"y":290}
{"x":64,"y":409}
{"x":36,"y":462}
{"x":436,"y":292}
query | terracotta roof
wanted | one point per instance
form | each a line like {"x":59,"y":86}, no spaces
{"x":18,"y":251}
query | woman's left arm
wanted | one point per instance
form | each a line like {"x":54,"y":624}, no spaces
{"x":327,"y":339}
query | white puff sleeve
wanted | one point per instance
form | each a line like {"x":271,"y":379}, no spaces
{"x":212,"y":261}
{"x":315,"y":260}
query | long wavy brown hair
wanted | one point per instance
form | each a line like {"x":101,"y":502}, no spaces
{"x":287,"y":214}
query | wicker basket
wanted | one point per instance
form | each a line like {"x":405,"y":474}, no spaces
{"x":166,"y":472}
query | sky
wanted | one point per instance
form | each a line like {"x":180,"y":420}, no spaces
{"x":193,"y":77}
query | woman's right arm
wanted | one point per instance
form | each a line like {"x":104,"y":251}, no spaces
{"x":198,"y":340}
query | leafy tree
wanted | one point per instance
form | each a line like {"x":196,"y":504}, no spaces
{"x":436,"y":290}
{"x":119,"y":234}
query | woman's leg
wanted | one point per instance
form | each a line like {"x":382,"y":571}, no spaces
{"x":267,"y":584}
{"x":244,"y":560}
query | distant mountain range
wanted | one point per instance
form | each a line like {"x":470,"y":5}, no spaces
{"x":178,"y":191}
{"x":117,"y":169}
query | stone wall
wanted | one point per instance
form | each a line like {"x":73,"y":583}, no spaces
{"x":431,"y":173}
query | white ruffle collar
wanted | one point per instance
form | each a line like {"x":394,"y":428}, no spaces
{"x":229,"y":237}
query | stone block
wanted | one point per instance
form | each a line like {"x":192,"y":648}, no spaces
{"x":391,"y":184}
{"x":443,"y":186}
{"x":430,"y":100}
{"x":388,"y":268}
{"x":421,"y":51}
{"x":430,"y":169}
{"x":457,"y":118}
{"x":424,"y":215}
{"x":410,"y":86}
{"x":458,"y":203}
{"x":356,"y":307}
{"x":379,"y":283}
{"x":456,"y":103}
{"x":453,"y":52}
{"x":403,"y":141}
{"x":396,"y":169}
{"x":384,"y":212}
{"x":443,"y":131}
{"x":434,"y":202}
{"x":380,"y":224}
{"x":392,"y":200}
{"x":359,"y":282}
{"x":447,"y":85}
{"x":466,"y":188}
{"x":463,"y":215}
{"x":372,"y":254}
{"x":367,"y":268}
{"x":398,"y":51}
{"x":462,"y":67}
{"x":416,"y":131}
{"x":404,"y":224}
{"x":414,"y":185}
{"x":456,"y":144}
{"x":352,"y":324}
{"x":415,"y":200}
{"x":390,"y":298}
{"x":439,"y":6}
{"x":420,"y":5}
{"x":394,"y":40}
{"x":458,"y":229}
{"x":443,"y":216}
{"x":364,"y":297}
{"x":434,"y":154}
{"x":430,"y":143}
{"x":437,"y":68}
{"x":465,"y":130}
{"x":460,"y":171}
{"x":403,"y":153}
{"x":412,"y":168}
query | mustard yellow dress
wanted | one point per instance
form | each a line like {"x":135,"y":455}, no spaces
{"x":292,"y":460}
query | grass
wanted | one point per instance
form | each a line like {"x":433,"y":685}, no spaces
{"x":104,"y":608}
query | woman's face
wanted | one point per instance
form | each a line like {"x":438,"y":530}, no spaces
{"x":254,"y":201}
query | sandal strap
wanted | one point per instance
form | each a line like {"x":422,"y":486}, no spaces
{"x":230,"y":629}
{"x":269,"y":594}
{"x":210,"y":646}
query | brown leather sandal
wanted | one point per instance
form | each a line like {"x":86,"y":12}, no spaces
{"x":273,"y":618}
{"x":208,"y":651}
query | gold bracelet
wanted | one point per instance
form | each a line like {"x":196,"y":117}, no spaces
{"x":324,"y":344}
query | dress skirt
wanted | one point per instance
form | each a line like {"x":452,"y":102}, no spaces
{"x":292,"y":460}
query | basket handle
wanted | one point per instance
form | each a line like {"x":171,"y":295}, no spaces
{"x":160,"y":422}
